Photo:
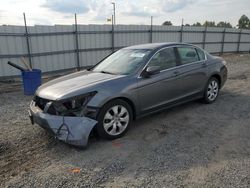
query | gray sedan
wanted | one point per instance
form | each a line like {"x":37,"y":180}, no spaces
{"x":128,"y":84}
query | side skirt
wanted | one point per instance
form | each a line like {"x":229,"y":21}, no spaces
{"x":171,"y":104}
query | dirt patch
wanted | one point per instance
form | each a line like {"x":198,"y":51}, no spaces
{"x":193,"y":145}
{"x":239,"y":77}
{"x":4,"y":146}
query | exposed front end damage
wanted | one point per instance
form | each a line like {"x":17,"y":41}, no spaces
{"x":68,"y":120}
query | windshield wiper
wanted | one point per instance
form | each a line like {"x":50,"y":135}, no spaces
{"x":106,"y":72}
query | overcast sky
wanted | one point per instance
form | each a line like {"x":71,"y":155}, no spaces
{"x":50,"y":12}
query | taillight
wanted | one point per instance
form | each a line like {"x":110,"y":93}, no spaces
{"x":224,"y":62}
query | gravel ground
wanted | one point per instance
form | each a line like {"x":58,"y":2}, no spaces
{"x":193,"y":145}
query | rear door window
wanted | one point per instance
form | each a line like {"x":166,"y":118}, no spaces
{"x":187,"y":55}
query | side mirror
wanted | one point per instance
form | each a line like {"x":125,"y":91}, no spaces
{"x":151,"y":70}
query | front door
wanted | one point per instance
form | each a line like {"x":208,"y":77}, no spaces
{"x":163,"y":87}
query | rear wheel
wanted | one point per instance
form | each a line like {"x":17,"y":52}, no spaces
{"x":114,"y":119}
{"x":211,"y":91}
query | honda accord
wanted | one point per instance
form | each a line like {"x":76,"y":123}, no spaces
{"x":128,"y":84}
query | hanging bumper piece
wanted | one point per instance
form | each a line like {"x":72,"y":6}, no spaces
{"x":69,"y":129}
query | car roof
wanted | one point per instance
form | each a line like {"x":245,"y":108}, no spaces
{"x":153,"y":46}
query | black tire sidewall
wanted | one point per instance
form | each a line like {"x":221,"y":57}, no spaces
{"x":206,"y":99}
{"x":100,"y":129}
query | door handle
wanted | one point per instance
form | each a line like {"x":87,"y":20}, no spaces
{"x":176,"y":73}
{"x":203,"y":65}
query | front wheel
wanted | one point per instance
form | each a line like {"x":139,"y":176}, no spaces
{"x":211,"y":91}
{"x":114,"y":119}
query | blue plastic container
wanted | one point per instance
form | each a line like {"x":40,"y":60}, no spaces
{"x":31,"y":81}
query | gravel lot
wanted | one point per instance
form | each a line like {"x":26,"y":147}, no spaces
{"x":193,"y":145}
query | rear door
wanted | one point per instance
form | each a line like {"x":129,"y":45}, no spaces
{"x":193,"y":70}
{"x":163,"y":87}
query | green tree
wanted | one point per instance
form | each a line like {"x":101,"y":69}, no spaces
{"x":198,"y":24}
{"x":224,"y":24}
{"x":209,"y":24}
{"x":187,"y":24}
{"x":167,"y":23}
{"x":244,"y":22}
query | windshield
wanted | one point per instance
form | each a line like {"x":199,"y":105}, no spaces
{"x":124,"y":61}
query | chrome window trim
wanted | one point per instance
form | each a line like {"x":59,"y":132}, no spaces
{"x":182,"y":65}
{"x":191,"y":46}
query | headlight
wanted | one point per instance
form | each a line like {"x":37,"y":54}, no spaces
{"x":74,"y":106}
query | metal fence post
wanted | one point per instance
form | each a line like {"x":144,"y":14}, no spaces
{"x":239,"y":40}
{"x":204,"y":37}
{"x":181,"y":31}
{"x":77,"y":46}
{"x":151,"y":30}
{"x":223,"y":41}
{"x":27,"y":39}
{"x":113,"y":37}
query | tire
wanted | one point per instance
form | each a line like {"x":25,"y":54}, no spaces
{"x":114,"y":119}
{"x":211,"y":91}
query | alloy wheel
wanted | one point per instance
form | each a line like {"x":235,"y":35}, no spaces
{"x":116,"y":120}
{"x":212,"y":90}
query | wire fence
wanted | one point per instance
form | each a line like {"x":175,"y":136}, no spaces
{"x":63,"y":47}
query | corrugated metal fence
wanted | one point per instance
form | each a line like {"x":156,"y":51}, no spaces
{"x":60,"y":47}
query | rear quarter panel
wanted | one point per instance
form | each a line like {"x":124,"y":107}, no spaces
{"x":216,"y":67}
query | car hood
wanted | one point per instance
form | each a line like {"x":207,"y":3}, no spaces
{"x":73,"y":84}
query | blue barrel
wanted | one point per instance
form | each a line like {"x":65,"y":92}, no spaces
{"x":31,"y":81}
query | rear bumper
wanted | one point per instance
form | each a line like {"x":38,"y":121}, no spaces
{"x":71,"y":130}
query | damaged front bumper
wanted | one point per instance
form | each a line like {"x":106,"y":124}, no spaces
{"x":69,"y":129}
